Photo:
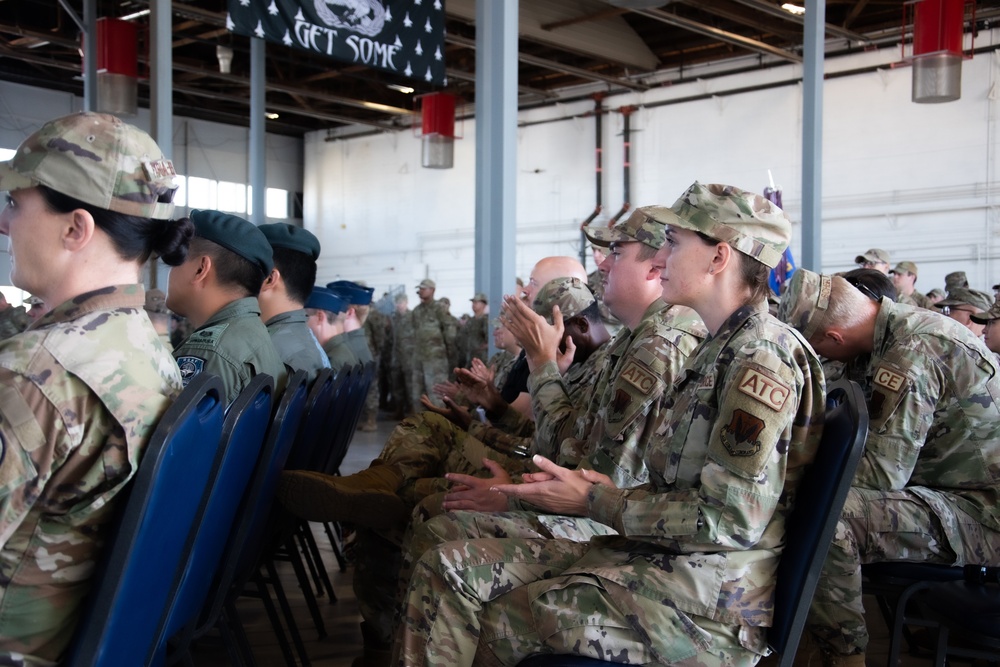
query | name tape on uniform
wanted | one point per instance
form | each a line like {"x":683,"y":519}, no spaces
{"x":764,"y":389}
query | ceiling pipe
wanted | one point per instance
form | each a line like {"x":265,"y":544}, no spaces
{"x":626,"y":113}
{"x":598,"y":148}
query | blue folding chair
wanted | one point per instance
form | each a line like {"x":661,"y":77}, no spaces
{"x":134,"y":585}
{"x":809,"y":530}
{"x":240,"y":461}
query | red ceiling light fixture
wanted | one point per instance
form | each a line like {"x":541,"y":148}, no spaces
{"x":937,"y":50}
{"x":437,"y":129}
{"x":117,"y":67}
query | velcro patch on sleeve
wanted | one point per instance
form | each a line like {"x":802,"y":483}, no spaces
{"x":741,"y":436}
{"x":892,"y":381}
{"x":190,"y":366}
{"x":639,"y":377}
{"x":764,"y":389}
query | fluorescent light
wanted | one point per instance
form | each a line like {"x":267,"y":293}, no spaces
{"x":271,"y":115}
{"x":793,"y":9}
{"x":129,"y":17}
{"x":403,"y":89}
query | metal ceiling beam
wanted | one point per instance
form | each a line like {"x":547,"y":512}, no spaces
{"x":462,"y":75}
{"x":722,"y":11}
{"x":558,"y":67}
{"x":780,"y":13}
{"x":717,"y":33}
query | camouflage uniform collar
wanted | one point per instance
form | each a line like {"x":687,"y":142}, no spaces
{"x":113,"y":297}
{"x":240,"y":308}
{"x":655,"y":308}
{"x":288,"y":317}
{"x":737,"y":319}
{"x":887,"y":314}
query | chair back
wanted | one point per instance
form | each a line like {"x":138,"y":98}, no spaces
{"x":340,"y":405}
{"x":344,"y":431}
{"x":820,"y":497}
{"x":243,"y":435}
{"x":319,"y":403}
{"x":122,"y":616}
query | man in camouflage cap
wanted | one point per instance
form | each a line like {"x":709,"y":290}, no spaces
{"x":476,"y":332}
{"x":216,"y":288}
{"x":422,"y":449}
{"x":283,"y":296}
{"x":435,"y":349}
{"x":991,"y":333}
{"x":671,"y":575}
{"x":962,"y":303}
{"x":904,"y":277}
{"x":874,"y":258}
{"x":927,"y":487}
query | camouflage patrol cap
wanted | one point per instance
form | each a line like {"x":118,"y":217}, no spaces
{"x":937,"y":292}
{"x":284,"y":235}
{"x":572,"y":295}
{"x":984,"y":318}
{"x":646,"y":225}
{"x":955,"y":279}
{"x":805,"y":301}
{"x":479,"y":296}
{"x":874,"y":255}
{"x":969,"y":297}
{"x":747,"y":221}
{"x":236,"y":235}
{"x":323,"y":299}
{"x":352,"y":292}
{"x":426,"y":282}
{"x":905,"y":267}
{"x":98,"y":159}
{"x":156,"y":301}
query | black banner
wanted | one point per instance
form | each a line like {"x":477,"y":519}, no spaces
{"x":401,"y":36}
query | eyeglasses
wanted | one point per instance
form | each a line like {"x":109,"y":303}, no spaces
{"x":865,"y":289}
{"x":872,"y":265}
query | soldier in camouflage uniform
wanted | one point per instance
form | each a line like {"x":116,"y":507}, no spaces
{"x":507,"y":352}
{"x":904,"y":277}
{"x":690,"y":578}
{"x":962,"y":303}
{"x":595,"y":281}
{"x":283,"y":296}
{"x":434,"y":344}
{"x":325,"y":312}
{"x":991,"y":333}
{"x":955,"y":279}
{"x":875,"y":258}
{"x":402,"y":357}
{"x":378,"y":333}
{"x":84,"y":386}
{"x":476,"y":332}
{"x":927,"y":486}
{"x":216,"y":288}
{"x":159,"y":316}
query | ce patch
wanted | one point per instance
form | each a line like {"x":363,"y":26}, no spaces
{"x":190,"y":366}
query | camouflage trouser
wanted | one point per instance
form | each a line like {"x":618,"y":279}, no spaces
{"x":509,"y":599}
{"x":877,"y":526}
{"x":400,"y":389}
{"x":427,"y":372}
{"x":370,"y":413}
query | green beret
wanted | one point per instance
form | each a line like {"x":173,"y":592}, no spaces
{"x":236,"y":235}
{"x":284,"y":235}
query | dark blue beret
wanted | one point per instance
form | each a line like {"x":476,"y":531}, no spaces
{"x":356,"y":295}
{"x":324,"y":299}
{"x":236,"y":235}
{"x":284,"y":235}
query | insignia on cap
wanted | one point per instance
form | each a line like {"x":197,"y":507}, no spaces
{"x":764,"y":389}
{"x":159,"y":169}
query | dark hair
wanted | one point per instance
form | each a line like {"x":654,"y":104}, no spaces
{"x":754,"y":273}
{"x":872,"y":283}
{"x":298,"y":270}
{"x":134,"y":237}
{"x":231,"y":270}
{"x":591,"y":313}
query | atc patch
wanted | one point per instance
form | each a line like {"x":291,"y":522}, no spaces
{"x":764,"y":389}
{"x":190,"y":366}
{"x":639,"y":377}
{"x":741,"y":436}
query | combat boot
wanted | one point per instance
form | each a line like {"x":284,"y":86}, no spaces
{"x":367,"y":498}
{"x":376,"y":653}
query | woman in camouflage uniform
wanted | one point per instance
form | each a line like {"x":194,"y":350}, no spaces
{"x":689,"y":579}
{"x":83,"y":387}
